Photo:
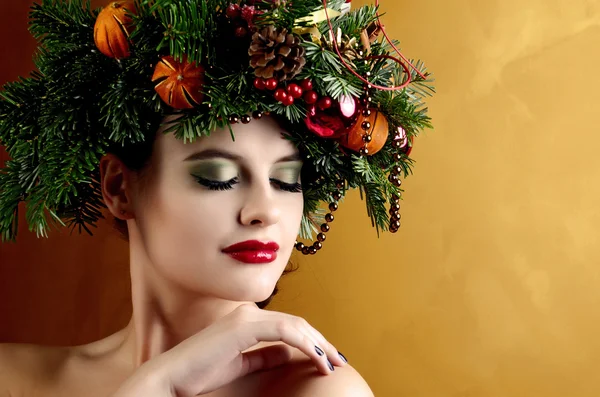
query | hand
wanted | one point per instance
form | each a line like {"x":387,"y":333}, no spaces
{"x":215,"y":356}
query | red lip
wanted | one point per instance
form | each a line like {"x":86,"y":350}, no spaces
{"x":253,"y":251}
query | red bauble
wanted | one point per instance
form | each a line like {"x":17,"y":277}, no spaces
{"x":329,"y":123}
{"x":294,"y":90}
{"x":281,"y":95}
{"x":259,"y":83}
{"x":233,"y":11}
{"x":306,"y":85}
{"x":324,"y":103}
{"x":288,"y":100}
{"x":271,"y":84}
{"x":311,"y":97}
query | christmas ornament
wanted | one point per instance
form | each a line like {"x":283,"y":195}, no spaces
{"x":375,"y":126}
{"x":347,"y":106}
{"x":401,"y":138}
{"x":276,"y":53}
{"x":179,"y":84}
{"x":328,"y":121}
{"x":112,"y":28}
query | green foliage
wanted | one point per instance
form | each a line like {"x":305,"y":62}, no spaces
{"x":57,"y":123}
{"x":188,"y":27}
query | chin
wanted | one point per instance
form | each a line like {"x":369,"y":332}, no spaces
{"x":252,"y":290}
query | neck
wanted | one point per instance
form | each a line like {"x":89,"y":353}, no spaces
{"x":164,"y":314}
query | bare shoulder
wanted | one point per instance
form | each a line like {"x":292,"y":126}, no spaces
{"x":25,"y":365}
{"x":301,"y":379}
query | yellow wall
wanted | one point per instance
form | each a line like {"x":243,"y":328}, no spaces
{"x":490,"y":289}
{"x":492,"y":286}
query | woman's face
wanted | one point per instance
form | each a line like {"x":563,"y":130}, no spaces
{"x":201,"y":198}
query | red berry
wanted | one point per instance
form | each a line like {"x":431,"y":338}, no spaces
{"x":233,"y":11}
{"x":259,"y":83}
{"x":248,"y":13}
{"x":306,"y":85}
{"x":281,"y":95}
{"x":271,"y":84}
{"x":288,"y":100}
{"x":241,"y":32}
{"x":294,"y":90}
{"x":311,"y":97}
{"x":325,"y":103}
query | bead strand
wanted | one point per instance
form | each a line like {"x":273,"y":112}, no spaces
{"x":325,"y":227}
{"x":245,"y":119}
{"x":400,"y":141}
{"x":366,"y":125}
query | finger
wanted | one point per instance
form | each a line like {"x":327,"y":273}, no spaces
{"x":318,"y":339}
{"x":330,"y":350}
{"x":265,"y":358}
{"x":286,"y":330}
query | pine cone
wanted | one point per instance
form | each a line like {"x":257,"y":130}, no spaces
{"x":348,"y":46}
{"x":276,"y":53}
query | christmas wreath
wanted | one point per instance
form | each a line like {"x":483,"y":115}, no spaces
{"x":350,"y":100}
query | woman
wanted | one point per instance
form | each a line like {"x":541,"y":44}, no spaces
{"x":211,"y":221}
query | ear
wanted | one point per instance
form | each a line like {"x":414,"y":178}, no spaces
{"x":115,"y":182}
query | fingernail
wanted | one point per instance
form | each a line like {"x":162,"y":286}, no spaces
{"x":319,"y":351}
{"x":343,"y":358}
{"x":330,"y":365}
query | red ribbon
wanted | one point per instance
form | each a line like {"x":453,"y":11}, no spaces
{"x":337,"y":50}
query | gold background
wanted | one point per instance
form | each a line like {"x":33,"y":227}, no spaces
{"x":490,"y":289}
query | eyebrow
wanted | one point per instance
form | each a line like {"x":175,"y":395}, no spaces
{"x":215,"y":153}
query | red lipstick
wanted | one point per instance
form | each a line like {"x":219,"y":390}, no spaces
{"x":253,"y":251}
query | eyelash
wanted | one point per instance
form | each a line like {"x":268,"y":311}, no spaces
{"x":228,"y":185}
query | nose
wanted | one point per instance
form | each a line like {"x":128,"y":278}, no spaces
{"x":260,"y":207}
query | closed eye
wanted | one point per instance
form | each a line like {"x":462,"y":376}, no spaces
{"x":217,"y":185}
{"x":287,"y":187}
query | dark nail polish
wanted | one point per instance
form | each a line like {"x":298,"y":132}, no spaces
{"x":330,"y":365}
{"x":343,"y":358}
{"x":319,"y":351}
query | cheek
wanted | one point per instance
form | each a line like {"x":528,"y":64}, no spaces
{"x":184,"y":228}
{"x":291,"y":216}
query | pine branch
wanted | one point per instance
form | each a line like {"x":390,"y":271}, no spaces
{"x":285,"y":14}
{"x":353,"y":23}
{"x":62,"y":23}
{"x":20,"y":109}
{"x":188,"y":27}
{"x":11,"y":194}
